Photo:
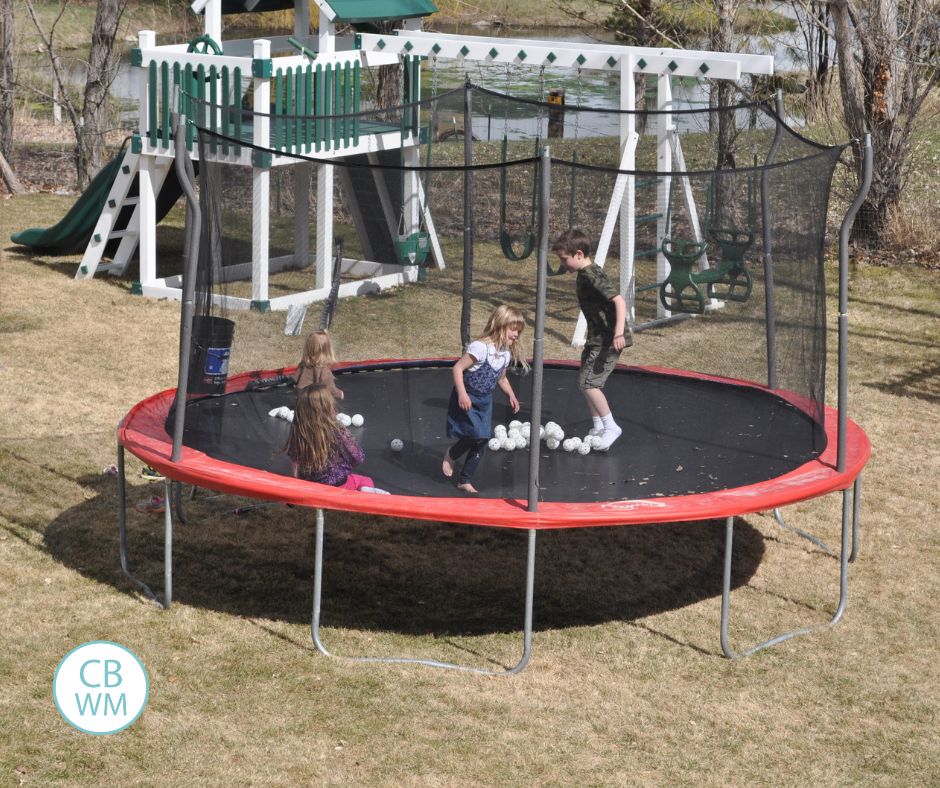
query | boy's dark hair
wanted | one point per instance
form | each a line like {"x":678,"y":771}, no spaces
{"x":572,"y":241}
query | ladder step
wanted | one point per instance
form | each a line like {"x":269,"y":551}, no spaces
{"x":123,"y":234}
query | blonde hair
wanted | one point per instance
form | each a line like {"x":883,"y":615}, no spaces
{"x":318,"y":350}
{"x":314,"y":432}
{"x":503,"y":318}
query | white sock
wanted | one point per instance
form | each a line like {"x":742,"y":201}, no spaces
{"x":608,"y":423}
{"x":598,"y":427}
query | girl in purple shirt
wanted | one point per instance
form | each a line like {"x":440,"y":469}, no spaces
{"x":320,"y":448}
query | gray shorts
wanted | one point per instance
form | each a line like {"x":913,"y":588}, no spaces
{"x":597,"y":362}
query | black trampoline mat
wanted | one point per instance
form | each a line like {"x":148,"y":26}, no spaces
{"x":681,"y":434}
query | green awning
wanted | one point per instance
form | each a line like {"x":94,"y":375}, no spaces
{"x":346,"y":10}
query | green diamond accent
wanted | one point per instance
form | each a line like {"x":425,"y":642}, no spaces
{"x":408,"y":46}
{"x":552,"y":57}
{"x":494,"y":52}
{"x":611,"y":61}
{"x":704,"y":68}
{"x":464,"y":50}
{"x":581,"y":60}
{"x":125,"y":169}
{"x":436,"y":49}
{"x":522,"y":55}
{"x":380,"y":43}
{"x":641,"y":63}
{"x":112,"y":203}
{"x":97,"y":238}
{"x":673,"y":65}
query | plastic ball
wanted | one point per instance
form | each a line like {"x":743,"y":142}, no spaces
{"x":584,"y":448}
{"x":515,"y":423}
{"x":499,"y":431}
{"x":552,"y":443}
{"x":568,"y":444}
{"x":495,"y":444}
{"x":509,"y":444}
{"x":397,"y":444}
{"x":357,"y":420}
{"x":343,"y":419}
{"x":526,"y":430}
{"x":541,"y":433}
{"x":596,"y":441}
{"x":576,"y":442}
{"x":514,"y":434}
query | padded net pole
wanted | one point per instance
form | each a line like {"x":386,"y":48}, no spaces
{"x":538,"y":342}
{"x":185,"y":174}
{"x":770,"y":308}
{"x":844,"y":298}
{"x":467,"y":213}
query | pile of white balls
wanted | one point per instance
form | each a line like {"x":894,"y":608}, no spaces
{"x":518,"y":435}
{"x":346,"y":420}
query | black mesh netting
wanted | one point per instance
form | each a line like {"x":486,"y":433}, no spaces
{"x":732,"y":232}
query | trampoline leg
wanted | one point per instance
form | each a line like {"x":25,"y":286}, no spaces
{"x":167,"y":543}
{"x":805,"y":534}
{"x":847,"y":518}
{"x":122,"y":530}
{"x":527,"y":623}
{"x":856,"y":497}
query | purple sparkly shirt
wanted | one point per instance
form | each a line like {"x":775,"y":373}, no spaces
{"x":346,"y":456}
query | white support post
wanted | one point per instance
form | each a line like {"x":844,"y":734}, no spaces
{"x":664,"y":127}
{"x":212,"y":20}
{"x":326,"y":33}
{"x":628,"y":143}
{"x":261,"y":182}
{"x":324,"y":224}
{"x":147,"y":202}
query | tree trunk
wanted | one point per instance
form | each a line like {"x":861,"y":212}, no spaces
{"x":9,"y":177}
{"x":388,"y":89}
{"x":883,"y":85}
{"x":6,"y":78}
{"x":723,"y":41}
{"x":102,"y":68}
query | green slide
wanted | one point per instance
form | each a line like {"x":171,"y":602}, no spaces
{"x":72,"y":233}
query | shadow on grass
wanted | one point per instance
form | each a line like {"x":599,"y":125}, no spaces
{"x":401,"y":575}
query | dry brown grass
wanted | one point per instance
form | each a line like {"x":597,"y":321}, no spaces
{"x":626,"y":685}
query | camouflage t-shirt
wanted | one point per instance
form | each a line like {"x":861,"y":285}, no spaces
{"x":595,"y":290}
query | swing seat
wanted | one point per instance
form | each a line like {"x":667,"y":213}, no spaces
{"x":734,"y":282}
{"x":506,"y":242}
{"x":417,"y":244}
{"x":681,"y":290}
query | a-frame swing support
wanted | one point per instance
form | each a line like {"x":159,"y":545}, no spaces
{"x":664,"y":63}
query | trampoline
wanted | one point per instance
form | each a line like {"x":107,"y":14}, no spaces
{"x":703,"y":444}
{"x":694,"y":447}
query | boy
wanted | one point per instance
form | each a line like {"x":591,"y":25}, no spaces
{"x":605,"y":312}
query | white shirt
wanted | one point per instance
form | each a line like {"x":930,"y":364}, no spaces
{"x":487,"y":351}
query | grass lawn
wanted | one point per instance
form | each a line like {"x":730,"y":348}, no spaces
{"x":626,"y":684}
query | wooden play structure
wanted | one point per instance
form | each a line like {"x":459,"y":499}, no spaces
{"x":304,"y":74}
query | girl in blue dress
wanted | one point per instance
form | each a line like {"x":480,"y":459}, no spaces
{"x":480,"y":370}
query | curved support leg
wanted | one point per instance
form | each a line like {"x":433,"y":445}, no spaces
{"x":847,"y":508}
{"x":122,"y":538}
{"x":527,"y":625}
{"x":856,"y":507}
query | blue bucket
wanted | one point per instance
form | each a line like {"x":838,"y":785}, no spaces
{"x":211,"y":350}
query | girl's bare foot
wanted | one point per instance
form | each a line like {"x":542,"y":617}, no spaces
{"x":447,"y":466}
{"x":468,"y":488}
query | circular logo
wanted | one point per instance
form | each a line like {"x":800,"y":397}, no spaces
{"x":100,"y":687}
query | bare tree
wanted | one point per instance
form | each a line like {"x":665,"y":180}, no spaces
{"x":884,"y":51}
{"x":6,"y":78}
{"x":815,"y":24}
{"x":90,"y":121}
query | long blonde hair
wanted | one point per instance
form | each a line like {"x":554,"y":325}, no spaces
{"x":314,"y":432}
{"x":318,"y":351}
{"x":503,"y":318}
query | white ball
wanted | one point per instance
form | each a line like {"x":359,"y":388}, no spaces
{"x":576,"y":442}
{"x":397,"y":444}
{"x":557,"y":433}
{"x":343,"y":419}
{"x":526,"y":430}
{"x":495,"y":444}
{"x":541,"y":433}
{"x":514,"y":434}
{"x":515,"y":423}
{"x":584,"y":448}
{"x":596,"y":441}
{"x":552,"y":443}
{"x":509,"y":444}
{"x":499,"y":431}
{"x":568,"y":444}
{"x":357,"y":420}
{"x":522,"y":443}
